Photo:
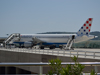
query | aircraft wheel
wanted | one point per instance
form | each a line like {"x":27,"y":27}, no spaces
{"x":51,"y":47}
{"x":42,"y":47}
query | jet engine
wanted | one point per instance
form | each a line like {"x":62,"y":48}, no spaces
{"x":27,"y":44}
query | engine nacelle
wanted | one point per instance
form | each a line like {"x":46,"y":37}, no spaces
{"x":27,"y":44}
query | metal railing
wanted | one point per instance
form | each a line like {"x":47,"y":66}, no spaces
{"x":47,"y":64}
{"x":95,"y":64}
{"x":69,"y":53}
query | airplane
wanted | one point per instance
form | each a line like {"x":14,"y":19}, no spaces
{"x":50,"y":40}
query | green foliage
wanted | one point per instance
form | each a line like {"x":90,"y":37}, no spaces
{"x":93,"y":72}
{"x":73,"y":69}
{"x":74,"y":58}
{"x":56,"y":66}
{"x":67,"y":70}
{"x":76,"y":69}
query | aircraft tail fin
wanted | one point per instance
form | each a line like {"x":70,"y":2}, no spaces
{"x":85,"y":29}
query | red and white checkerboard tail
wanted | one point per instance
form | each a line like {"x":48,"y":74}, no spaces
{"x":85,"y":29}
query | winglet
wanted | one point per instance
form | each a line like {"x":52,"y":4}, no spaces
{"x":85,"y":29}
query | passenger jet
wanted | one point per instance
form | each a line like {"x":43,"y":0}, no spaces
{"x":58,"y":39}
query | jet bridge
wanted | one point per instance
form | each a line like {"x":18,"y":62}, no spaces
{"x":11,"y":38}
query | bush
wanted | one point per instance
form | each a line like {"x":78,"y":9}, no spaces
{"x":56,"y":67}
{"x":73,"y":69}
{"x":76,"y":69}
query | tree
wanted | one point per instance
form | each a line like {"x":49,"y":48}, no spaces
{"x":56,"y":66}
{"x":73,"y":69}
{"x":76,"y":69}
{"x":93,"y":72}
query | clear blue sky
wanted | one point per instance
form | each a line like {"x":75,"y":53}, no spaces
{"x":36,"y":16}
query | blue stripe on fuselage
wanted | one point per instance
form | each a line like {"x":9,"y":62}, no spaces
{"x":19,"y":42}
{"x":44,"y":43}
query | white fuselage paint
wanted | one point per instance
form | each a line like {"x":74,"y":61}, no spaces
{"x":54,"y":38}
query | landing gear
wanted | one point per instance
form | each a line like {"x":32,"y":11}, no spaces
{"x":41,"y":47}
{"x":52,"y":47}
